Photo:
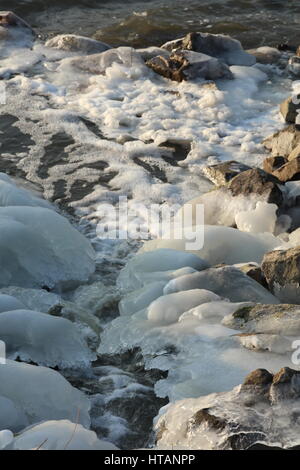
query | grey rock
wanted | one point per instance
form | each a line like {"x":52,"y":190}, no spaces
{"x":289,"y":109}
{"x":220,"y":46}
{"x":74,"y":43}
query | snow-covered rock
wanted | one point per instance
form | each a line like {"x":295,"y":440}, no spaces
{"x":74,"y":43}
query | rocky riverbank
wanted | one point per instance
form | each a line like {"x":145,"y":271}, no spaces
{"x":107,"y":334}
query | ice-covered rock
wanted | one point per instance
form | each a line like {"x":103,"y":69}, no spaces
{"x":233,"y":420}
{"x":74,"y":43}
{"x":221,"y":244}
{"x":282,"y":272}
{"x":43,"y":339}
{"x":11,"y":195}
{"x":189,"y":65}
{"x":168,"y":308}
{"x":228,"y":282}
{"x":8,"y":302}
{"x":40,"y":248}
{"x":58,"y":435}
{"x":220,"y":46}
{"x":44,"y":394}
{"x":266,"y":55}
{"x":157,"y":264}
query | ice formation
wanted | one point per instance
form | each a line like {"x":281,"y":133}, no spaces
{"x":43,"y":339}
{"x":57,"y":435}
{"x":45,"y":394}
{"x":61,"y":253}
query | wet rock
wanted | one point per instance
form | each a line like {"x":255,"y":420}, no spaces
{"x":221,"y":173}
{"x":282,"y":271}
{"x":263,"y":318}
{"x":294,"y":66}
{"x":265,"y":342}
{"x":266,"y":55}
{"x":283,"y":142}
{"x":257,"y":181}
{"x":74,"y":43}
{"x":222,"y":47}
{"x":189,"y":65}
{"x":289,"y":108}
{"x":261,"y":413}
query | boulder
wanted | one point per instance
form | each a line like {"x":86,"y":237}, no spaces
{"x":222,"y":47}
{"x":280,"y":319}
{"x":282,"y":272}
{"x":254,"y":271}
{"x":189,"y":65}
{"x":257,"y":181}
{"x":74,"y":43}
{"x":295,"y":153}
{"x":283,"y":142}
{"x":150,"y":52}
{"x":259,"y":414}
{"x":221,"y":173}
{"x":290,"y":171}
{"x":289,"y":108}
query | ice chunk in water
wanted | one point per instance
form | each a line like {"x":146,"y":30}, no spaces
{"x":45,"y":394}
{"x":7,"y":303}
{"x":59,"y":435}
{"x":43,"y":339}
{"x":38,"y":247}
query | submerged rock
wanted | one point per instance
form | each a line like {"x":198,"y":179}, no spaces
{"x":74,"y":43}
{"x":222,"y":47}
{"x":289,"y":109}
{"x":8,"y":18}
{"x":189,"y":65}
{"x":221,"y":173}
{"x":257,"y":181}
{"x":233,"y":420}
{"x":282,"y":271}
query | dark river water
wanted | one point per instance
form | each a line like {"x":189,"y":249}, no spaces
{"x":144,"y":23}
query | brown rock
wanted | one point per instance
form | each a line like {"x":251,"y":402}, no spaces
{"x":283,"y":142}
{"x":286,"y":385}
{"x":8,"y":18}
{"x":258,"y":377}
{"x":289,"y":108}
{"x":255,"y":273}
{"x":221,"y":173}
{"x":282,"y":271}
{"x":273,"y":163}
{"x":266,"y":55}
{"x":204,"y":416}
{"x":295,"y":153}
{"x":290,"y":171}
{"x":257,"y":181}
{"x":188,"y":65}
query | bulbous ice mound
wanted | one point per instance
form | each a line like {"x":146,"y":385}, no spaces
{"x":11,"y":195}
{"x":40,"y":248}
{"x":57,"y":435}
{"x":37,"y":394}
{"x":43,"y":339}
{"x":221,"y":244}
